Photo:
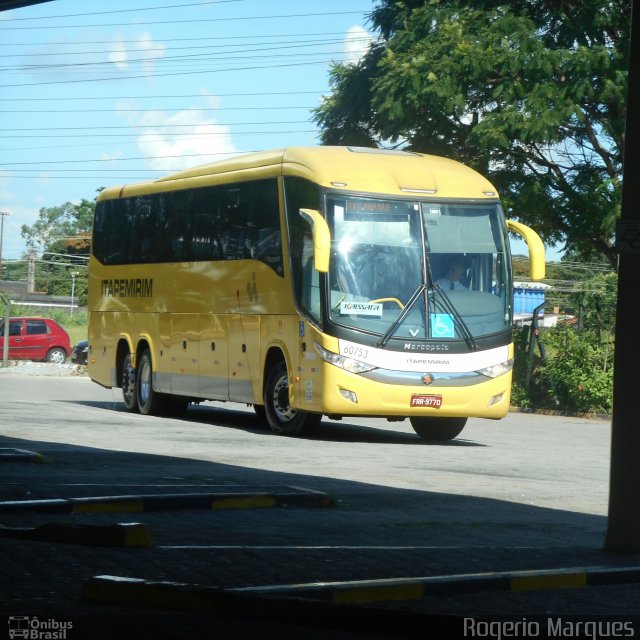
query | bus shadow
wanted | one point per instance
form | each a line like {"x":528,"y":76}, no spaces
{"x":328,"y":431}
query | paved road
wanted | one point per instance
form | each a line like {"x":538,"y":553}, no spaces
{"x":546,"y":461}
{"x":525,"y":493}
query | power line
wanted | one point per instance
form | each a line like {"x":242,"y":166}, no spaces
{"x":160,"y":75}
{"x":194,"y":39}
{"x":76,"y":146}
{"x":101,"y":13}
{"x":190,"y":21}
{"x":156,"y":110}
{"x":287,"y":44}
{"x":165,"y":60}
{"x":155,"y":126}
{"x":182,"y":155}
{"x":155,"y":97}
{"x":140,"y":136}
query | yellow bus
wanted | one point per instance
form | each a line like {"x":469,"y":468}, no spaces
{"x":309,"y":282}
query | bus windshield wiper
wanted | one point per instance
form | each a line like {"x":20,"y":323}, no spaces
{"x":458,"y":320}
{"x":402,"y":315}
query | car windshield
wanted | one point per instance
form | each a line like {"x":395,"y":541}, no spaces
{"x":417,"y":269}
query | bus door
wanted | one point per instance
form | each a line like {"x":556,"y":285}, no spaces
{"x":214,"y":357}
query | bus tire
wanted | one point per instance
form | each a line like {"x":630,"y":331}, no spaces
{"x":261,"y":415}
{"x":282,"y":418}
{"x":128,"y":384}
{"x":438,"y":429}
{"x":149,"y":401}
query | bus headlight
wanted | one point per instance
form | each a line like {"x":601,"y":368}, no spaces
{"x":348,"y":364}
{"x":496,"y":370}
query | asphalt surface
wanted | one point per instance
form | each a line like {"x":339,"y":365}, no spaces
{"x":97,"y":543}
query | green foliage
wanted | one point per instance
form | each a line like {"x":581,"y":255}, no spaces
{"x":61,"y":227}
{"x":78,"y":318}
{"x":531,"y":92}
{"x":580,"y":376}
{"x":62,"y":235}
{"x":520,"y":394}
{"x":577,"y":373}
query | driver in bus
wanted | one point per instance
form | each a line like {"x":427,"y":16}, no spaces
{"x":456,"y":271}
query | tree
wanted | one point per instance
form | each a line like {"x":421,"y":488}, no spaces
{"x":62,"y":236}
{"x":531,"y":93}
{"x":66,"y":227}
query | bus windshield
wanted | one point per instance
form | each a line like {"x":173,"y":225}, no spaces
{"x":418,"y":270}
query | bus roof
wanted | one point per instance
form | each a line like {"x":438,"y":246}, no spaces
{"x":354,"y":169}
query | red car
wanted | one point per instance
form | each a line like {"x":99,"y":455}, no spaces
{"x":36,"y":339}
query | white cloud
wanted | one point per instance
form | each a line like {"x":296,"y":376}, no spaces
{"x":180,"y":140}
{"x":142,"y":51}
{"x":65,"y":60}
{"x":118,"y":55}
{"x":356,"y":44}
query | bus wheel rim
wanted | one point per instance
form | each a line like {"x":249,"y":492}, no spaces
{"x":129,"y":382}
{"x":281,"y":405}
{"x":145,"y":383}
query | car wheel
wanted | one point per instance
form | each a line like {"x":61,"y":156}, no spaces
{"x":438,"y":429}
{"x":281,"y":416}
{"x":57,"y":356}
{"x":128,"y":383}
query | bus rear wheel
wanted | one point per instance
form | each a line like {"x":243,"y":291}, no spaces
{"x":283,"y":419}
{"x":149,"y":401}
{"x":438,"y":429}
{"x":128,"y":383}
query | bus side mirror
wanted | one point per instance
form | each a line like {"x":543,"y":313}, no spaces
{"x":535,"y":246}
{"x":321,"y":239}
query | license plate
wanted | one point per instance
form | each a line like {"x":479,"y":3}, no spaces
{"x":422,"y":400}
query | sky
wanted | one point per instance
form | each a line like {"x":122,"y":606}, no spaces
{"x":100,"y":94}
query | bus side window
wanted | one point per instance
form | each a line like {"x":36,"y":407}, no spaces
{"x":204,"y":241}
{"x":264,"y":220}
{"x":204,"y":245}
{"x":175,"y":207}
{"x":300,"y":193}
{"x":232,"y":220}
{"x":144,"y":232}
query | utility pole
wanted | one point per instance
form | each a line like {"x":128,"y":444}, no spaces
{"x":3,"y":215}
{"x":31,"y":271}
{"x":74,"y":275}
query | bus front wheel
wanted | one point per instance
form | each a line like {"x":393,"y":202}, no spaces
{"x":149,"y":401}
{"x":283,"y":419}
{"x":438,"y":429}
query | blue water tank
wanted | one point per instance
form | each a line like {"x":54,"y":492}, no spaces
{"x":526,"y":299}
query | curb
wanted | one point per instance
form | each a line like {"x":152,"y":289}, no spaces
{"x":130,"y":534}
{"x":564,"y":414}
{"x":119,"y":590}
{"x":20,"y":455}
{"x":418,"y":588}
{"x":337,"y":596}
{"x":293,"y":497}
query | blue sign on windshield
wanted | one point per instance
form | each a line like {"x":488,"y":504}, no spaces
{"x":442,"y":326}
